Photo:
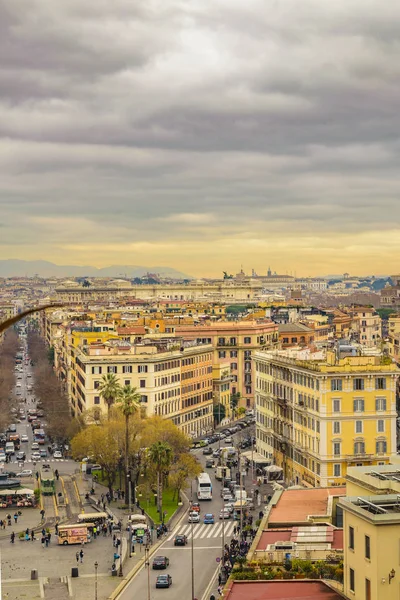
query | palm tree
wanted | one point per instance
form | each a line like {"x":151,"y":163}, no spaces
{"x":109,"y":389}
{"x":129,"y":401}
{"x":160,"y":455}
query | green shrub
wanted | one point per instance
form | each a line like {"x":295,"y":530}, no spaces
{"x":37,"y":494}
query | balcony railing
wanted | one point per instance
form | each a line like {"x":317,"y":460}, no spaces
{"x":357,"y":457}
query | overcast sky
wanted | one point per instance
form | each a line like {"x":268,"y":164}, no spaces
{"x":201,"y":134}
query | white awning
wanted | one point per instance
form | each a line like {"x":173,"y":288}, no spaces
{"x":256,"y":457}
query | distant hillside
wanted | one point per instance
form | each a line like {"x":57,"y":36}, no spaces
{"x":43,"y":268}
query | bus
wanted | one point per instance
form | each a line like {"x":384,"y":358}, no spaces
{"x":39,"y":436}
{"x":73,"y":534}
{"x":204,"y":487}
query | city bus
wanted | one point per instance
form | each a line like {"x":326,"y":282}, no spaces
{"x":204,"y":487}
{"x":73,"y":534}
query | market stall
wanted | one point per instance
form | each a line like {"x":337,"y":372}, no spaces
{"x":23,"y":497}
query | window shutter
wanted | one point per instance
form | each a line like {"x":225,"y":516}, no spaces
{"x":362,"y":447}
{"x":384,"y":404}
{"x":354,"y":405}
{"x":376,"y":404}
{"x":362,"y":405}
{"x":384,"y":444}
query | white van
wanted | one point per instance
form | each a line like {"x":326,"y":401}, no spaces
{"x":10,"y":448}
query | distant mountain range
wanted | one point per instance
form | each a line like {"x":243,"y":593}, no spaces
{"x":43,"y":268}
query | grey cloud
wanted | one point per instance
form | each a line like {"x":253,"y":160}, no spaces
{"x":258,"y":114}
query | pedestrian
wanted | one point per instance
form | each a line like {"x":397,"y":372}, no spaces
{"x":42,"y":540}
{"x":46,"y":541}
{"x":220,"y":590}
{"x":12,"y":537}
{"x":56,"y":528}
{"x":104,"y":506}
{"x":77,"y":557}
{"x":42,"y":513}
{"x":110,"y":528}
{"x":81,"y":554}
{"x":114,"y":540}
{"x":43,"y":532}
{"x":49,"y":537}
{"x":219,"y":579}
{"x":94,"y":532}
{"x":122,"y":494}
{"x":15,"y":518}
{"x":37,"y":475}
{"x":32,"y":535}
{"x":27,"y":531}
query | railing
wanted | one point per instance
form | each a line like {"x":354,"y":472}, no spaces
{"x":360,"y":456}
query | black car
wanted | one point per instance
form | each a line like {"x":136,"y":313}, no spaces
{"x":209,"y":464}
{"x":163,"y":581}
{"x":9,"y":474}
{"x":160,"y":562}
{"x":207,"y":450}
{"x":20,"y":455}
{"x":180,"y":540}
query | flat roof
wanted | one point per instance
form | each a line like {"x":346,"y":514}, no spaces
{"x":281,"y":590}
{"x":295,"y":506}
{"x":308,"y":534}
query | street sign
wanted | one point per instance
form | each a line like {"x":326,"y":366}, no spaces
{"x":140,"y":532}
{"x":218,"y":559}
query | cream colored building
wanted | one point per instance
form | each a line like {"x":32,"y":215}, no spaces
{"x":371,"y":525}
{"x":174,"y":378}
{"x":317,"y":414}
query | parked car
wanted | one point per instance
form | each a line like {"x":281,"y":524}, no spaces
{"x":180,"y":540}
{"x":25,"y":473}
{"x":20,"y":455}
{"x":160,"y":562}
{"x":43,"y":453}
{"x":57,"y":454}
{"x":35,"y":456}
{"x":2,"y":457}
{"x":35,"y":446}
{"x":24,"y":438}
{"x":163,"y":581}
{"x":194,"y":517}
{"x":210,"y":464}
{"x":208,"y":519}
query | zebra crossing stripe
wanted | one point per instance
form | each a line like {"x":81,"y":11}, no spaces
{"x":201,"y":531}
{"x":229,"y":529}
{"x":218,"y":529}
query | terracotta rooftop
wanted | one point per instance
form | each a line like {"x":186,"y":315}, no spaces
{"x":294,"y":506}
{"x":131,"y":330}
{"x":281,"y":590}
{"x":311,"y":534}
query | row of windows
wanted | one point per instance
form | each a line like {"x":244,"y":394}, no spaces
{"x":359,"y":405}
{"x":196,"y":359}
{"x":358,"y":384}
{"x":359,"y":447}
{"x":196,"y":373}
{"x":358,"y":426}
{"x":171,"y":364}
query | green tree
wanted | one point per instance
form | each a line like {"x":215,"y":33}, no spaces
{"x":219,"y":412}
{"x":234,"y":401}
{"x":109,"y":389}
{"x":184,"y":468}
{"x":129,"y":402}
{"x":160,"y":456}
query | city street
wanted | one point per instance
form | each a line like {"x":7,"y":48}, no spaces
{"x":207,"y":547}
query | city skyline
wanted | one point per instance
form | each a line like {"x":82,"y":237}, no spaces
{"x":201,"y":136}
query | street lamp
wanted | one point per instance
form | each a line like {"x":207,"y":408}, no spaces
{"x":96,"y":564}
{"x":191,"y":540}
{"x":147,"y":563}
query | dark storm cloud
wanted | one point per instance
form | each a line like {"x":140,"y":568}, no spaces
{"x":197,"y":120}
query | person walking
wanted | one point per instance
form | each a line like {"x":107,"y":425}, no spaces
{"x":81,"y":555}
{"x":56,"y":528}
{"x":32,"y":535}
{"x":220,"y":590}
{"x":77,"y":557}
{"x":12,"y":537}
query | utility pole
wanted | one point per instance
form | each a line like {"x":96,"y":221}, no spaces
{"x":191,"y":540}
{"x":96,"y":564}
{"x":147,"y":563}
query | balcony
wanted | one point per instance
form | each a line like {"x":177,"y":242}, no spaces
{"x":358,"y":457}
{"x":282,"y":401}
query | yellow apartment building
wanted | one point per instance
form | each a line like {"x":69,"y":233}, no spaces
{"x":173,"y":377}
{"x":317,"y":414}
{"x":235,"y":342}
{"x":222,"y":386}
{"x":371,"y":524}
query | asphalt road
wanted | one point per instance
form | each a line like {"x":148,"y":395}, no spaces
{"x":64,"y":466}
{"x":207,"y":547}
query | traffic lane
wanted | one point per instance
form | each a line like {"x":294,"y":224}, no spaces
{"x":180,"y":569}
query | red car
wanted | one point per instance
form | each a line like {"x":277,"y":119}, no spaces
{"x":195,"y":507}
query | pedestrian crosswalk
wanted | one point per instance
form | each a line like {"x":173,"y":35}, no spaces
{"x":201,"y":531}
